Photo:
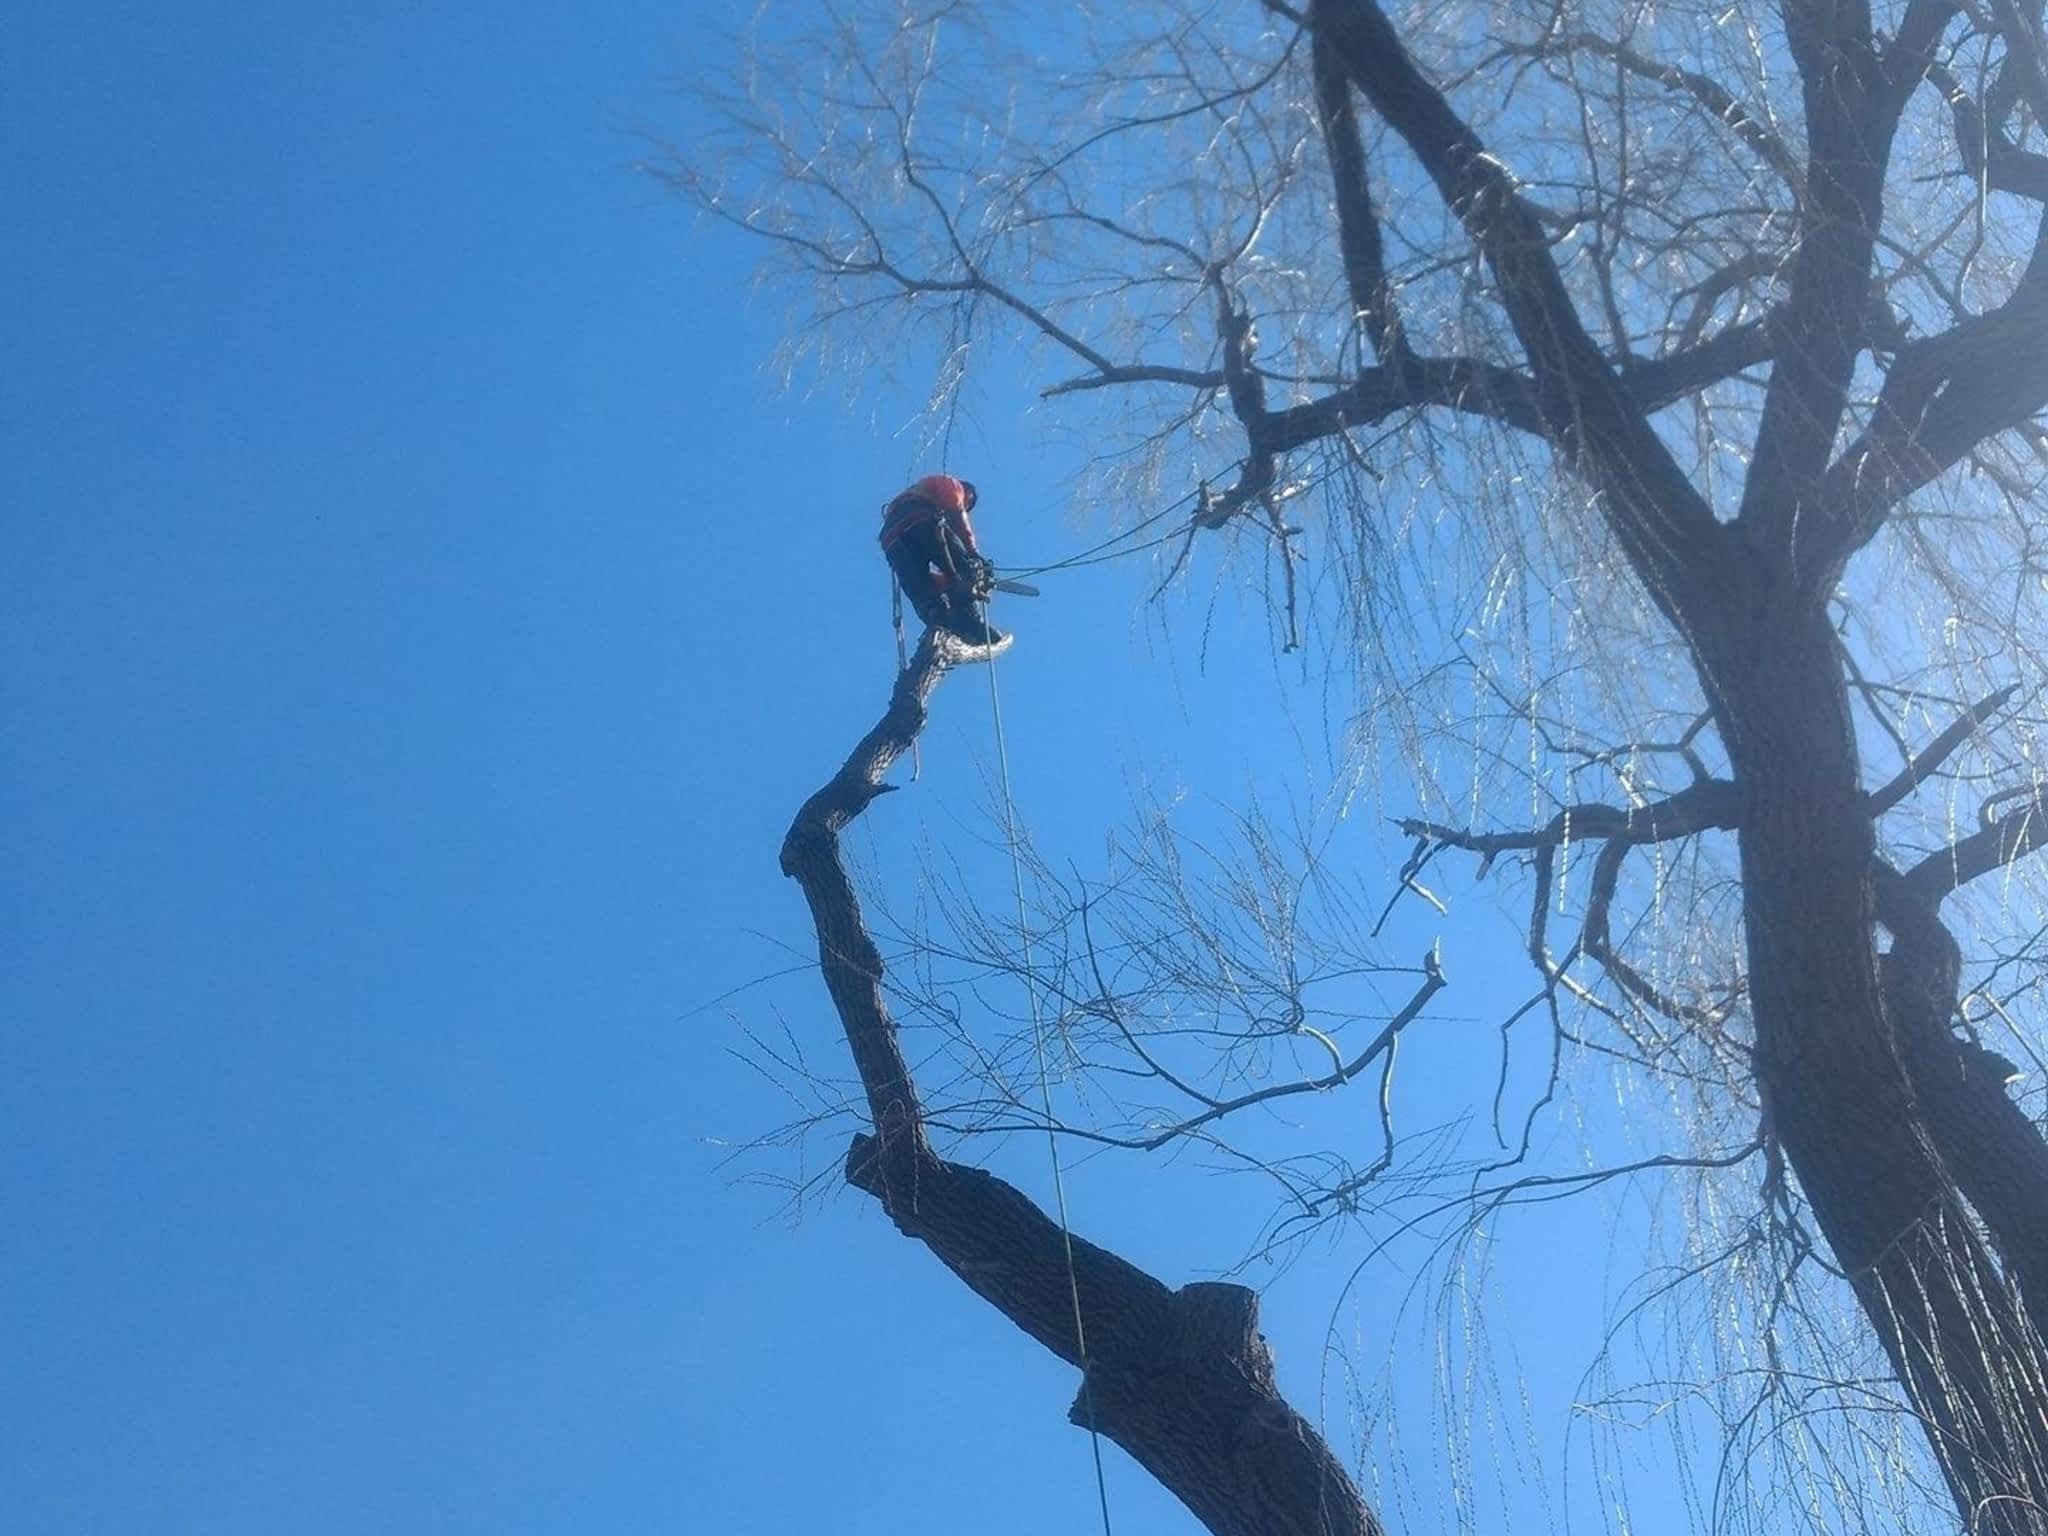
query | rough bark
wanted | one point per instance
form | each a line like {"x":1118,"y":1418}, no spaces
{"x":1181,"y":1379}
{"x":1835,"y":1083}
{"x":1987,"y":1143}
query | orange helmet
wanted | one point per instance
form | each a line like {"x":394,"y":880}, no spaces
{"x":946,"y":492}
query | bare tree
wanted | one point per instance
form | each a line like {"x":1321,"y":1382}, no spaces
{"x":1668,"y":379}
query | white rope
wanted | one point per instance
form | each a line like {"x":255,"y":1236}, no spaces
{"x":903,"y":666}
{"x":1052,"y":1142}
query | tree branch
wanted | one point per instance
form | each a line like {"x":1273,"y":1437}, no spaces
{"x":1497,"y":393}
{"x":1711,"y":803}
{"x":1943,"y":396}
{"x":1181,"y":1379}
{"x":1358,"y":227}
{"x":1432,"y":983}
{"x":1998,"y":843}
{"x":1936,"y":752}
{"x":1853,"y":101}
{"x":1659,"y":517}
{"x":1988,"y":153}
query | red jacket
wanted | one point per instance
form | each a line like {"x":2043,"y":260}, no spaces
{"x":939,"y":499}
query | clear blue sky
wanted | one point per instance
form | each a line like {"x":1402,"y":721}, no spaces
{"x":419,"y":616}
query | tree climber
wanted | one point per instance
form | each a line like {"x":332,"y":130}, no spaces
{"x":930,"y":546}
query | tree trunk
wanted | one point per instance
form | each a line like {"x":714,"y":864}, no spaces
{"x":1834,"y":1079}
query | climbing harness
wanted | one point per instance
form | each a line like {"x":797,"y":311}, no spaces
{"x":1052,"y":1143}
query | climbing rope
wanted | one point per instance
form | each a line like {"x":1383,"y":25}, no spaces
{"x":903,"y":665}
{"x":1095,"y":554}
{"x":1076,"y":562}
{"x":1052,"y":1142}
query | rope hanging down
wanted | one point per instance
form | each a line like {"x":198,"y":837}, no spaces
{"x":1059,"y":1182}
{"x":903,"y":665}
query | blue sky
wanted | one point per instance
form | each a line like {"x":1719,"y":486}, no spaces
{"x":419,"y":617}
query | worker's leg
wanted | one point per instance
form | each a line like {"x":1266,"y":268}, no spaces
{"x":914,"y":576}
{"x":939,"y":601}
{"x":965,"y":620}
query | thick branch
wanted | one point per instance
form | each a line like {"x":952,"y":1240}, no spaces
{"x":1938,"y":751}
{"x":2012,"y":836}
{"x":1358,"y":226}
{"x":1711,"y":803}
{"x":847,"y":955}
{"x":1943,"y":397}
{"x":1661,"y":381}
{"x":1848,"y":142}
{"x":1988,"y":153}
{"x":1135,"y":373}
{"x":2023,"y":60}
{"x":1245,"y":387}
{"x":1180,"y":1379}
{"x":1597,"y":939}
{"x":1854,"y":95}
{"x":1499,"y":394}
{"x":1459,"y":383}
{"x":1657,"y":514}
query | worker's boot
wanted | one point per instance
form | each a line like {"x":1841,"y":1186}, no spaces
{"x":966,"y":621}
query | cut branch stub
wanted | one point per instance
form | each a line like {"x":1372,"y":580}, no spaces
{"x":1181,"y":1379}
